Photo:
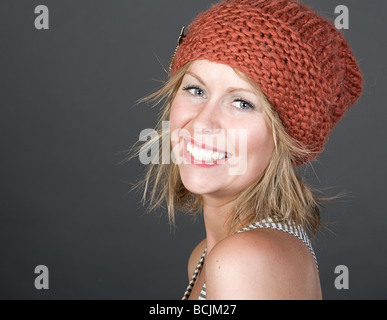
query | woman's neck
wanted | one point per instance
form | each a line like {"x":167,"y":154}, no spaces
{"x":216,"y":220}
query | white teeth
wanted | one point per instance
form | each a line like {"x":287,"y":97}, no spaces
{"x":195,"y":151}
{"x":203,"y":154}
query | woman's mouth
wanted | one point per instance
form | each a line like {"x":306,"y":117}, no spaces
{"x":204,"y":155}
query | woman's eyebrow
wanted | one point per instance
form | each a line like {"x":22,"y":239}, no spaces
{"x":192,"y":74}
{"x":235,"y":89}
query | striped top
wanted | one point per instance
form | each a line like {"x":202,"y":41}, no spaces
{"x":288,"y":227}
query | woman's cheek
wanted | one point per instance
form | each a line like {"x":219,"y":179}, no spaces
{"x":178,"y":120}
{"x":176,"y":114}
{"x":174,"y":122}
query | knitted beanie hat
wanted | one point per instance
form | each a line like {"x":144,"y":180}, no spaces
{"x":300,"y":61}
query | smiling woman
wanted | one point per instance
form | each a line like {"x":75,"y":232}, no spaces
{"x":255,"y":88}
{"x":211,"y":101}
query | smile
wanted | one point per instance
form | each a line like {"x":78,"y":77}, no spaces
{"x":204,"y":155}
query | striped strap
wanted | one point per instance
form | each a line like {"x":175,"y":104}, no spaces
{"x":194,"y":277}
{"x":288,"y":227}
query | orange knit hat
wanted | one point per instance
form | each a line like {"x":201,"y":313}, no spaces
{"x":300,"y":61}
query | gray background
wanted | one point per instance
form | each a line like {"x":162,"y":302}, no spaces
{"x":67,"y":111}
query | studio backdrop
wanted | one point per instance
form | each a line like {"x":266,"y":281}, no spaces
{"x":71,"y":73}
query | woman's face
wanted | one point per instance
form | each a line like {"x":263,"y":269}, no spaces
{"x":220,"y":135}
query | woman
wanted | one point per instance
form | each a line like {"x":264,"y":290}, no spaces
{"x":255,"y":88}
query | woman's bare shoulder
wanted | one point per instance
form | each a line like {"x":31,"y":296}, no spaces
{"x":195,"y":256}
{"x":261,"y":264}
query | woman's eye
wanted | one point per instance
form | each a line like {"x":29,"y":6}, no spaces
{"x":242,"y":104}
{"x":195,"y":91}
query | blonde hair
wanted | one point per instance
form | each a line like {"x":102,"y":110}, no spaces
{"x":279,"y":194}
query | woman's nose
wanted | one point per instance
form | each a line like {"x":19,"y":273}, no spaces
{"x":207,"y":119}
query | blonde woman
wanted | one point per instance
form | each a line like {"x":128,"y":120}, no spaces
{"x":255,"y":88}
